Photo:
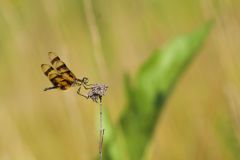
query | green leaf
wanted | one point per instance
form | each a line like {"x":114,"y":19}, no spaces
{"x":154,"y":82}
{"x":114,"y":143}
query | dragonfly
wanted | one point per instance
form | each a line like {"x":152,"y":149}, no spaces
{"x":62,"y":77}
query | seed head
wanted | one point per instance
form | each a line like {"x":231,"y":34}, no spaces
{"x":97,"y":91}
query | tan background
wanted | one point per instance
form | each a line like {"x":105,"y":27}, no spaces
{"x":104,"y":39}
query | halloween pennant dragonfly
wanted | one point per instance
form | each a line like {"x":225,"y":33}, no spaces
{"x":61,"y":77}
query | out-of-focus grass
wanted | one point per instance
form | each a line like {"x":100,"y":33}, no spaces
{"x":61,"y":125}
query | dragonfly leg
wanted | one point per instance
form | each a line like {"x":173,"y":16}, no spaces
{"x":49,"y":88}
{"x":87,"y":86}
{"x":79,"y":89}
{"x":79,"y":93}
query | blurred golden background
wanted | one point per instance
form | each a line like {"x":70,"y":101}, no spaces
{"x":103,"y":40}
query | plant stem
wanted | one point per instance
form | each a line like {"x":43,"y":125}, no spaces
{"x":101,"y":131}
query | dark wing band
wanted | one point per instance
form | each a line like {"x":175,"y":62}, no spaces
{"x":61,"y":67}
{"x":56,"y":79}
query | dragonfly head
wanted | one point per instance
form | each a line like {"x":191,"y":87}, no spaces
{"x":84,"y":80}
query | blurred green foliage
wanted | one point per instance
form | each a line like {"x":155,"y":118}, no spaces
{"x":155,"y":80}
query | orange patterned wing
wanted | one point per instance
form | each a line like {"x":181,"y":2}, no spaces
{"x":61,"y":67}
{"x":56,"y":79}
